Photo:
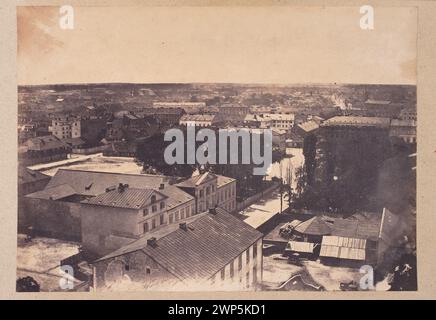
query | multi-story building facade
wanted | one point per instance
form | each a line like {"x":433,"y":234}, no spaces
{"x":167,"y":115}
{"x":197,"y":120}
{"x":404,"y":129}
{"x":270,"y":120}
{"x":65,"y":126}
{"x":191,"y":254}
{"x":211,"y":190}
{"x":107,"y":210}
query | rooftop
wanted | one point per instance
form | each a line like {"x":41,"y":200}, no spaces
{"x":357,"y":121}
{"x":313,"y":226}
{"x":93,"y":183}
{"x":197,"y":117}
{"x":196,"y":180}
{"x":373,"y":101}
{"x":309,"y":126}
{"x":130,"y":198}
{"x":44,"y":143}
{"x":26,"y":175}
{"x":222,"y":180}
{"x":206,"y":246}
{"x":53,"y":193}
{"x":403,"y":123}
{"x":343,"y":247}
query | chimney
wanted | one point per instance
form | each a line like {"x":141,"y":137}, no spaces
{"x":152,"y":242}
{"x":212,"y":210}
{"x":122,"y":187}
{"x":183,"y":226}
{"x":162,"y":186}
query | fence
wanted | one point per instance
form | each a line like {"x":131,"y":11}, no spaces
{"x":85,"y":151}
{"x":249,"y":201}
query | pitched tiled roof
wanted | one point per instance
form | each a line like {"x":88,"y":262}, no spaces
{"x":196,"y":180}
{"x":313,"y":226}
{"x":362,"y":228}
{"x":309,"y":126}
{"x":223,"y":180}
{"x":45,"y":143}
{"x":26,"y":175}
{"x":94,"y":183}
{"x":130,"y":198}
{"x":53,"y":193}
{"x":176,"y":196}
{"x":73,"y":142}
{"x":209,"y":243}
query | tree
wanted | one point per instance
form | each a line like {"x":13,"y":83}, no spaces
{"x":27,"y":284}
{"x":309,"y":152}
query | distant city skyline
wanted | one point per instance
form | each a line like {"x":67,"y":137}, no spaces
{"x":258,"y":45}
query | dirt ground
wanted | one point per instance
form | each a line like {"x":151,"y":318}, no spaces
{"x":277,"y":270}
{"x":41,"y":258}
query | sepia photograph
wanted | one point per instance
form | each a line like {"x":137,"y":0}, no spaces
{"x":212,"y":149}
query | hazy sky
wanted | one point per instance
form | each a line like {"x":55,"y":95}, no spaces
{"x":222,"y":44}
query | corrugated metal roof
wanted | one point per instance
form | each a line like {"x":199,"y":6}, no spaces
{"x":210,"y":242}
{"x":300,"y":246}
{"x":343,"y":248}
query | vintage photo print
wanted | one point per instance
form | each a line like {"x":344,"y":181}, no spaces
{"x":216,"y":148}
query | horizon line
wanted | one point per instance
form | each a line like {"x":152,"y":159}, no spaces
{"x":216,"y":83}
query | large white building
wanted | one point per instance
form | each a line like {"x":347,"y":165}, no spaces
{"x":64,"y":127}
{"x":270,"y":120}
{"x":197,"y":120}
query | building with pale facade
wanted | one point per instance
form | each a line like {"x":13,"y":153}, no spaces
{"x":65,"y":126}
{"x":212,"y":251}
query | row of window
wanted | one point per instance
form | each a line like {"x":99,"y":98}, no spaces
{"x":181,"y":214}
{"x":239,"y":265}
{"x":153,"y":208}
{"x":209,"y":190}
{"x":225,"y":194}
{"x":229,"y":206}
{"x":172,"y":217}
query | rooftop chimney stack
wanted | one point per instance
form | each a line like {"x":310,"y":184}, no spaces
{"x":183,"y":226}
{"x":152,"y":242}
{"x":212,"y":210}
{"x":162,"y":186}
